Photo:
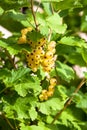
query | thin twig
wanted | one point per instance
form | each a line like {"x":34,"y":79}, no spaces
{"x":2,"y":90}
{"x":37,"y":7}
{"x":69,"y":101}
{"x":33,"y":13}
{"x":52,"y":9}
{"x":9,"y":123}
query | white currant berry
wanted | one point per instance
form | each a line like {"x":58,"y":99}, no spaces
{"x":53,"y":81}
{"x":22,"y":39}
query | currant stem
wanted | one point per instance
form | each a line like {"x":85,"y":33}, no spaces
{"x":69,"y":101}
{"x":33,"y":13}
{"x":9,"y":123}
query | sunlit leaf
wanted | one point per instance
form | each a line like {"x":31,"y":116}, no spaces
{"x":64,"y":71}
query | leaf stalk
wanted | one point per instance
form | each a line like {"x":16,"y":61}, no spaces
{"x":67,"y":103}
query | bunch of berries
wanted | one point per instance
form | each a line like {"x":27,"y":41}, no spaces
{"x":49,"y":58}
{"x":34,"y":58}
{"x":43,"y":53}
{"x":45,"y":94}
{"x":23,"y":38}
{"x":40,"y":56}
{"x":39,"y":43}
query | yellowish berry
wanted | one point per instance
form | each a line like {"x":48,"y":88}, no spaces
{"x":41,"y":97}
{"x":49,"y":54}
{"x":50,"y":93}
{"x":51,"y":87}
{"x":45,"y":62}
{"x":53,"y":81}
{"x":44,"y":92}
{"x":34,"y":69}
{"x":22,"y":39}
{"x":51,"y":45}
{"x":26,"y":30}
{"x":41,"y":42}
{"x":45,"y":97}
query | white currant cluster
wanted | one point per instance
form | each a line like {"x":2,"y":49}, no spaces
{"x":41,"y":56}
{"x":45,"y":94}
{"x":34,"y":58}
{"x":23,"y":38}
{"x":43,"y":53}
{"x":48,"y":62}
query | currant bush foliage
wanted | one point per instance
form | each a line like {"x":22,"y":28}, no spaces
{"x":37,"y":76}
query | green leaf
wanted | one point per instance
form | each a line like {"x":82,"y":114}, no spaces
{"x":51,"y":104}
{"x":16,"y":75}
{"x":82,"y":103}
{"x":17,"y":108}
{"x":72,"y":58}
{"x":85,"y":74}
{"x":55,"y":104}
{"x":21,"y":107}
{"x":57,"y":27}
{"x":33,"y":127}
{"x":60,"y":49}
{"x":12,"y":47}
{"x":71,"y":53}
{"x":32,"y":113}
{"x":62,"y":92}
{"x":24,"y":127}
{"x":21,"y":89}
{"x":47,"y":8}
{"x":41,"y":74}
{"x":64,"y":71}
{"x":10,"y":4}
{"x":51,"y":0}
{"x":31,"y":83}
{"x":1,"y":11}
{"x":68,"y":116}
{"x":84,"y":54}
{"x":43,"y":108}
{"x":44,"y":29}
{"x":34,"y":36}
{"x":15,"y":15}
{"x":69,"y":4}
{"x":72,"y":41}
{"x":8,"y":47}
{"x":4,"y":72}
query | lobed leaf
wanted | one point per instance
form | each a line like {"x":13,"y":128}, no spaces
{"x":58,"y":27}
{"x":32,"y":113}
{"x":64,"y":71}
{"x":72,"y":41}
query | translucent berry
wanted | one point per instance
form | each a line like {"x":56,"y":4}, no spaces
{"x":22,"y":39}
{"x":51,"y":45}
{"x":51,"y":87}
{"x":45,"y":97}
{"x":44,"y":92}
{"x":53,"y":81}
{"x":49,"y":54}
{"x":50,"y":93}
{"x":41,"y":97}
{"x":34,"y":69}
{"x":26,"y":30}
{"x":41,"y":42}
{"x":45,"y":62}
